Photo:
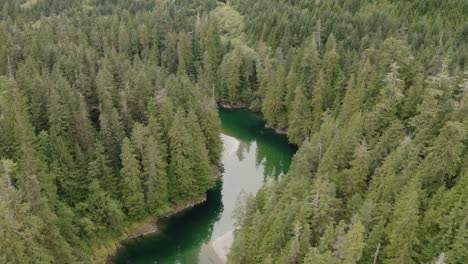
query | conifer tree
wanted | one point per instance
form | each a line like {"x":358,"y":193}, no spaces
{"x":402,"y":232}
{"x":112,"y":133}
{"x":99,"y":169}
{"x":180,"y":165}
{"x":210,"y":124}
{"x":131,"y":188}
{"x":185,"y":54}
{"x":274,"y":107}
{"x":21,"y":229}
{"x":353,"y":244}
{"x":230,"y":74}
{"x":299,"y":118}
{"x":198,"y":155}
{"x":156,"y":185}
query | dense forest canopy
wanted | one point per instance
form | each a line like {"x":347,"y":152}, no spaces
{"x":102,"y":123}
{"x":108,"y":115}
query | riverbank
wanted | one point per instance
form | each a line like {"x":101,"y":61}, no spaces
{"x":148,"y":227}
{"x":234,"y":106}
{"x":106,"y":253}
{"x":278,"y":130}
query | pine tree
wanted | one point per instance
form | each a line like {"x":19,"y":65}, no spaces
{"x":332,"y":72}
{"x":81,"y":127}
{"x":198,"y":156}
{"x":299,"y":118}
{"x":21,"y":229}
{"x":457,"y":252}
{"x":230,"y":77}
{"x":185,"y":54}
{"x":445,"y":157}
{"x":102,"y":210}
{"x":123,"y":39}
{"x":353,"y":180}
{"x":132,"y":195}
{"x":309,"y":64}
{"x":112,"y":133}
{"x":274,"y":107}
{"x":105,"y":88}
{"x":211,"y":124}
{"x":138,"y":139}
{"x":99,"y":169}
{"x":319,"y":102}
{"x":180,"y":165}
{"x":402,"y":232}
{"x":156,"y":185}
{"x":353,"y":244}
{"x":315,"y":257}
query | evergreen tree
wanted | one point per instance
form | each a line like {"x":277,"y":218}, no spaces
{"x":99,"y":169}
{"x":180,"y":165}
{"x":21,"y":229}
{"x":402,"y":231}
{"x":198,"y":156}
{"x":210,"y":124}
{"x":274,"y":107}
{"x":351,"y":248}
{"x":185,"y":54}
{"x":112,"y":133}
{"x":299,"y":118}
{"x":156,"y":185}
{"x":230,"y":77}
{"x":131,"y":188}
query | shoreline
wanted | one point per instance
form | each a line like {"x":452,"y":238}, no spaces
{"x":150,"y":225}
{"x":234,"y":106}
{"x":280,"y":131}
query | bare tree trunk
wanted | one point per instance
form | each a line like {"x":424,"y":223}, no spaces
{"x":440,"y":259}
{"x":10,"y":73}
{"x":376,"y":254}
{"x":8,"y":178}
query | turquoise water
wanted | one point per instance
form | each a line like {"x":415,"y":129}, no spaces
{"x":252,"y":155}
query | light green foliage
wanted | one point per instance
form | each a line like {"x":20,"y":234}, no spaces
{"x":351,"y":248}
{"x":229,"y":19}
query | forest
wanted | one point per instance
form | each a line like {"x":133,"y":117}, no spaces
{"x":108,"y":115}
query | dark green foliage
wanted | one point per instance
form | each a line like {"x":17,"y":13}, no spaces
{"x":377,"y":111}
{"x":108,"y":114}
{"x":88,"y":92}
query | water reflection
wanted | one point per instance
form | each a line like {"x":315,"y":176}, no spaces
{"x":180,"y":237}
{"x":272,"y":150}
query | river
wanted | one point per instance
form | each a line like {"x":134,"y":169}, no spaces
{"x":252,"y":156}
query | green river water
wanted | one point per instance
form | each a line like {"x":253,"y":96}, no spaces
{"x":252,"y":155}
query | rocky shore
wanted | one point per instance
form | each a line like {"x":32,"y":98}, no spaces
{"x":233,"y":106}
{"x":278,"y":130}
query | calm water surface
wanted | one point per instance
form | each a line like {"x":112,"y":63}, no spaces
{"x":252,"y":155}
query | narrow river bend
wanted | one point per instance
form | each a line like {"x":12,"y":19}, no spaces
{"x":252,"y":155}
